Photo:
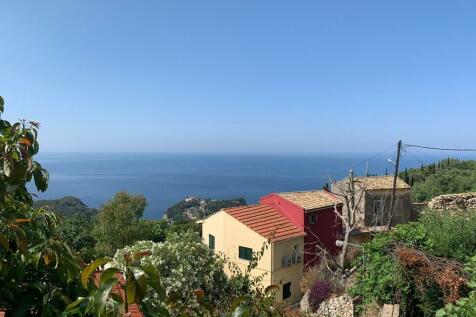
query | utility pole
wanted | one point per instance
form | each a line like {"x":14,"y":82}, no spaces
{"x":395,"y":176}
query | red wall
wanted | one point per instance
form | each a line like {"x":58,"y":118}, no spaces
{"x":288,"y":209}
{"x":327,"y":229}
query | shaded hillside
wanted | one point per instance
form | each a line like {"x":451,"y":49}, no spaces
{"x":447,"y":176}
{"x":66,"y":206}
{"x":192,"y":208}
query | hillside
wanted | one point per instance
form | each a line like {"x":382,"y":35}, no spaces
{"x":447,"y":176}
{"x":192,"y":208}
{"x":66,"y":206}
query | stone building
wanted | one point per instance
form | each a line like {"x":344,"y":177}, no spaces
{"x":373,"y":196}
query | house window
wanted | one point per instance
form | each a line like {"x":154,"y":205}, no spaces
{"x":312,"y":219}
{"x":378,"y":206}
{"x":286,"y":290}
{"x":245,"y":253}
{"x":211,"y":242}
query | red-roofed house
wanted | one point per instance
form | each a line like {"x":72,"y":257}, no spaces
{"x":240,"y":231}
{"x":314,"y":213}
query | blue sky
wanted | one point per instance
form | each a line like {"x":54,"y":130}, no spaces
{"x":240,"y":76}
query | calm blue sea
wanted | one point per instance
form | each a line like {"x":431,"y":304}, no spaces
{"x":165,"y":179}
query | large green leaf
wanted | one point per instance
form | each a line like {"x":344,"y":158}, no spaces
{"x":88,"y":270}
{"x":102,"y":294}
{"x":108,"y":273}
{"x":153,"y":279}
{"x":136,"y":285}
{"x":4,"y":241}
{"x":41,"y":177}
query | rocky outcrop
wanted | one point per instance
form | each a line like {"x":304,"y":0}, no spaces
{"x":341,"y":306}
{"x":194,"y":208}
{"x":453,"y":201}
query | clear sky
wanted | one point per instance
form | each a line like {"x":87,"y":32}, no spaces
{"x":241,"y":76}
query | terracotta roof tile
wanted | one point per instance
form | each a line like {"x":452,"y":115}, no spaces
{"x":266,"y":221}
{"x":312,"y":199}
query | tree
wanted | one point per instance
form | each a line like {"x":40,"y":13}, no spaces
{"x":38,"y":273}
{"x":75,"y":230}
{"x":351,"y":192}
{"x":406,"y":178}
{"x":117,"y":223}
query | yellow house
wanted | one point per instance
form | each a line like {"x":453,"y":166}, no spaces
{"x":238,"y":232}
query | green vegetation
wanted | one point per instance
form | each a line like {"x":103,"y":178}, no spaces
{"x":38,"y":273}
{"x":193,"y":208}
{"x":185,"y":264}
{"x":418,"y":265}
{"x":444,"y":177}
{"x":465,"y":306}
{"x":77,"y":221}
{"x":141,"y":266}
{"x":66,"y":206}
{"x":118,"y":223}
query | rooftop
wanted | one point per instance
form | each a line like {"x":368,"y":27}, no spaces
{"x":381,"y":182}
{"x":266,"y":221}
{"x":313,"y":199}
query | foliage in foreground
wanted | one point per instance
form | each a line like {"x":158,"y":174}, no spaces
{"x":412,"y":264}
{"x":38,"y":273}
{"x":466,"y":306}
{"x":140,"y":267}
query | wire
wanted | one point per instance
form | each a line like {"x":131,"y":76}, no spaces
{"x":413,"y":156}
{"x":440,"y":149}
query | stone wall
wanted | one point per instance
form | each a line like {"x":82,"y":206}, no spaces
{"x":341,"y":306}
{"x":453,"y":201}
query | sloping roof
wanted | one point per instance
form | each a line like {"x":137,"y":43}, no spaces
{"x":266,"y":221}
{"x":312,"y":199}
{"x":381,"y":182}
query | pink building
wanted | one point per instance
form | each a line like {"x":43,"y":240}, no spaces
{"x":315,"y":213}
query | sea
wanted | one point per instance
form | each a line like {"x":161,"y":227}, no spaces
{"x":165,"y":179}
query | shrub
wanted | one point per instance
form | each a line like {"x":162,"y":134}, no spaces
{"x":319,"y":272}
{"x":319,"y":293}
{"x":466,"y":306}
{"x":185,"y":265}
{"x":392,"y":276}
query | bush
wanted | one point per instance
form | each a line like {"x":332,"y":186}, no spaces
{"x":389,"y":277}
{"x":321,"y":291}
{"x":185,"y":265}
{"x":466,"y":306}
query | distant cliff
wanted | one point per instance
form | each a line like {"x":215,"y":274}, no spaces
{"x":66,"y":206}
{"x":193,"y":208}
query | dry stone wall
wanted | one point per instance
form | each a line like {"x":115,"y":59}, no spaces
{"x":341,"y":306}
{"x":453,"y":201}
